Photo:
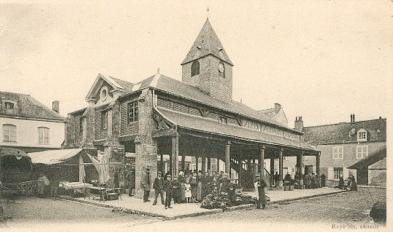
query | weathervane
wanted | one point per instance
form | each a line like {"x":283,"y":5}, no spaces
{"x":207,"y":12}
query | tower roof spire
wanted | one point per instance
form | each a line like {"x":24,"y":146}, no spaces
{"x":207,"y":43}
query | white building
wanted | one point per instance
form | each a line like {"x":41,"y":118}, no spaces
{"x":28,"y":125}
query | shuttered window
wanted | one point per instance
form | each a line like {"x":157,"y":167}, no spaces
{"x":9,"y":133}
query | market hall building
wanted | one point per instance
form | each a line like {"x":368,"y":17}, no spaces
{"x":135,"y":124}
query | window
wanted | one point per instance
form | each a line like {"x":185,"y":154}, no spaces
{"x":195,"y":68}
{"x":221,"y":70}
{"x":223,"y":120}
{"x":104,"y":120}
{"x":132,"y":112}
{"x":338,"y":172}
{"x":361,"y":151}
{"x":9,"y":105}
{"x":9,"y":133}
{"x":43,"y":135}
{"x":362,"y":135}
{"x":338,"y":152}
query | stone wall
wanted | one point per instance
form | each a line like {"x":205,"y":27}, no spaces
{"x":145,"y":145}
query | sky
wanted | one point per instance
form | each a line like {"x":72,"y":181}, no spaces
{"x":321,"y":59}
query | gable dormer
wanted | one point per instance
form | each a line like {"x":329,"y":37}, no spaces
{"x":104,"y":90}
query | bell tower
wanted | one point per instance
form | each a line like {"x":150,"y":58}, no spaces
{"x":207,"y":65}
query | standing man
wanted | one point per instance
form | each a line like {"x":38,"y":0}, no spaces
{"x":260,"y":185}
{"x":146,"y":185}
{"x":168,"y":188}
{"x":158,"y":187}
{"x":276,"y":179}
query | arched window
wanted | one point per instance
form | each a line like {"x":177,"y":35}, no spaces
{"x":195,"y":68}
{"x":221,"y":70}
{"x":9,"y":133}
{"x":43,"y":135}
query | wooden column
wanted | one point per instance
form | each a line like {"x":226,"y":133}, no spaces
{"x":261,"y":161}
{"x":271,"y":172}
{"x":280,"y":167}
{"x":218,"y":164}
{"x":183,"y":163}
{"x":301,"y":169}
{"x":175,"y":155}
{"x":209,"y":165}
{"x":162,"y":164}
{"x":318,"y":164}
{"x":196,"y":163}
{"x":204,"y":169}
{"x":228,"y":157}
{"x":240,"y":180}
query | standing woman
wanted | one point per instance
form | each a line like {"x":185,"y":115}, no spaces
{"x":182,"y":182}
{"x":194,"y":184}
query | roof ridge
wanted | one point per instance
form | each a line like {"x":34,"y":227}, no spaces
{"x":341,"y":123}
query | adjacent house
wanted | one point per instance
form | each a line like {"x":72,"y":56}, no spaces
{"x":28,"y":125}
{"x":345,"y":144}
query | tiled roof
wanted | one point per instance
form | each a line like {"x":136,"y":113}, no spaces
{"x":206,"y":125}
{"x":346,"y":132}
{"x":124,"y":84}
{"x":371,"y":159}
{"x":207,"y":43}
{"x":28,"y":107}
{"x":183,"y":90}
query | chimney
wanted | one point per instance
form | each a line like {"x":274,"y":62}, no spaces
{"x":277,"y":107}
{"x":352,"y":118}
{"x":299,"y":123}
{"x":56,"y":106}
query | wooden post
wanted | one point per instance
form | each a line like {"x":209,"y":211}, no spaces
{"x":203,"y":163}
{"x":280,"y":167}
{"x":209,"y":165}
{"x":318,"y":164}
{"x":272,"y":172}
{"x":301,"y":169}
{"x":175,"y":155}
{"x":240,"y":181}
{"x":196,"y":163}
{"x":183,"y":163}
{"x":228,"y":157}
{"x":261,"y":161}
{"x":162,"y":164}
{"x":218,"y":164}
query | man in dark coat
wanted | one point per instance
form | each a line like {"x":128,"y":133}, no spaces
{"x":145,"y":184}
{"x":176,"y":190}
{"x":260,"y":185}
{"x":168,"y":188}
{"x":158,"y":187}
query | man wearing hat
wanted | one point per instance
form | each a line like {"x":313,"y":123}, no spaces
{"x":260,"y":185}
{"x":158,"y":187}
{"x":145,"y":184}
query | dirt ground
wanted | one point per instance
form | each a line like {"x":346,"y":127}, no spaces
{"x":338,"y":211}
{"x":346,"y":207}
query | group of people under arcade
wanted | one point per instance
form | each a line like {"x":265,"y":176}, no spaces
{"x":310,"y":180}
{"x":187,"y":187}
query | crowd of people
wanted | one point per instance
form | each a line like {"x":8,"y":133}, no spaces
{"x":189,"y":187}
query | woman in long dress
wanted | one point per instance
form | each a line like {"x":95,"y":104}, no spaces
{"x":182,"y":182}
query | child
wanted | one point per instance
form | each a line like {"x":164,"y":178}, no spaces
{"x":187,"y":187}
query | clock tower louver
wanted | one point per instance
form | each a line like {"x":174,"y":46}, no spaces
{"x":207,"y":65}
